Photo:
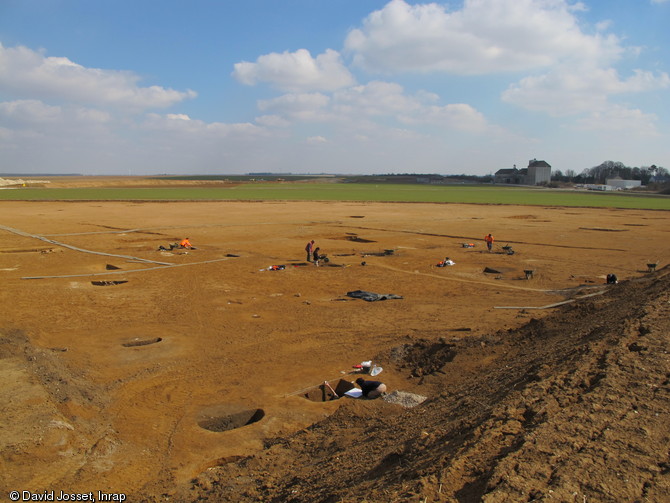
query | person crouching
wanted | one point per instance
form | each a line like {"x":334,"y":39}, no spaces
{"x":371,"y":389}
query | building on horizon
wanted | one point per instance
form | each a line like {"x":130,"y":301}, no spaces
{"x":536,"y":173}
{"x":618,"y":183}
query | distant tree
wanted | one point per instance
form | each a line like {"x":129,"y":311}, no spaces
{"x":654,"y":171}
{"x":608,"y":169}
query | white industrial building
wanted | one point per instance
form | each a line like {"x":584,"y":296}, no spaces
{"x":617,"y":183}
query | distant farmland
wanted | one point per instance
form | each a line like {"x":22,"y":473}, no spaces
{"x":315,"y":191}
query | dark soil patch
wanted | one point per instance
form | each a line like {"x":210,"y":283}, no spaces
{"x":231,"y":421}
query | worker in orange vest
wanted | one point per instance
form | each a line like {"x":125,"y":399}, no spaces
{"x":185,"y":243}
{"x":489,"y":241}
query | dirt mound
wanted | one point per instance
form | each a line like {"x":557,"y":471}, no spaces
{"x":573,"y":407}
{"x":422,"y":357}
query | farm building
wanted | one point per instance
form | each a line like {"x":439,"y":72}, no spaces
{"x":537,"y":172}
{"x":617,"y":183}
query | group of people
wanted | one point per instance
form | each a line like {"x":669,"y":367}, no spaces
{"x":313,"y":253}
{"x":488,"y":239}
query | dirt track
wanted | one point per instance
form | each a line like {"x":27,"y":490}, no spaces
{"x":94,"y":400}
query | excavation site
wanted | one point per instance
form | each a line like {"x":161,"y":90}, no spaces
{"x":226,"y":370}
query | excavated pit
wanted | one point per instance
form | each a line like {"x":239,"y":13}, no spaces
{"x":141,"y":342}
{"x":323,"y":393}
{"x":108,"y":283}
{"x":227,"y":422}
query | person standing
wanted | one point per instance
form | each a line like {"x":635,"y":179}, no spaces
{"x":308,"y":249}
{"x":489,"y":242}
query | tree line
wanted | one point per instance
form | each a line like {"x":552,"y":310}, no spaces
{"x":610,"y":169}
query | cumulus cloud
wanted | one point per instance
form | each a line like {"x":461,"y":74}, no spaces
{"x":620,"y":119}
{"x":376,"y":98}
{"x":27,"y":73}
{"x":297,"y":106}
{"x":182,"y":124}
{"x":567,"y":91}
{"x":485,"y":36}
{"x":38,"y":136}
{"x":42,"y":117}
{"x":388,"y":99}
{"x":375,"y":105}
{"x":272,"y":121}
{"x":28,"y":112}
{"x":296,"y":71}
{"x":457,"y":116}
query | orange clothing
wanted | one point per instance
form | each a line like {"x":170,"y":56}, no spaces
{"x":489,"y":239}
{"x":185,"y":243}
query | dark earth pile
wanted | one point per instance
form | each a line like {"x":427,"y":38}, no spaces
{"x":572,"y":407}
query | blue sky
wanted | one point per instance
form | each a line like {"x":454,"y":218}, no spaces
{"x":339,"y":86}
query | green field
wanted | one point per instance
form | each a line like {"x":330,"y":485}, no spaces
{"x":475,"y":194}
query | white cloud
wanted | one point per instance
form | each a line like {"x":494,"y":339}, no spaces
{"x":457,"y":116}
{"x":34,"y":114}
{"x":620,"y":119}
{"x":297,"y":107}
{"x":315,"y":140}
{"x":27,"y":73}
{"x":567,"y":91}
{"x":375,"y":98}
{"x":28,"y":112}
{"x":272,"y":121}
{"x":485,"y":36}
{"x":182,"y":124}
{"x":376,"y":106}
{"x":296,"y":71}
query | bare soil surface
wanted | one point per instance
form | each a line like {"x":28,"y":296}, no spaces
{"x":181,"y":375}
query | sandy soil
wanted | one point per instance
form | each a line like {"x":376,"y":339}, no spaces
{"x":108,"y":387}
